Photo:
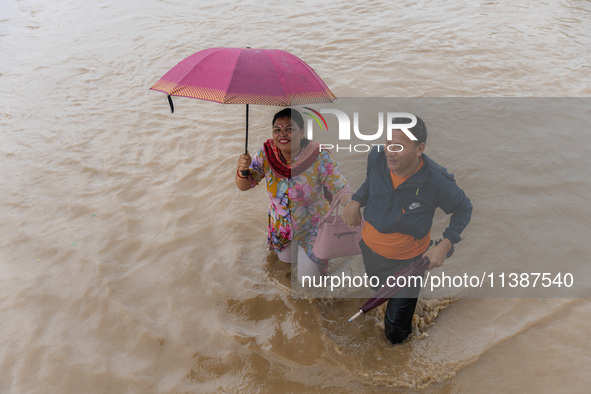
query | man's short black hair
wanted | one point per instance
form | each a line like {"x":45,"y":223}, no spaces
{"x":419,"y":130}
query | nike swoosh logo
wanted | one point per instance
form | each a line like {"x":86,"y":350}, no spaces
{"x":415,"y":205}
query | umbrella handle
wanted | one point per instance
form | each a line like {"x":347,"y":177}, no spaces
{"x":355,"y":316}
{"x":171,"y":104}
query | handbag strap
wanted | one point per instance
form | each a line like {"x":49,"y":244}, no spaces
{"x":336,"y":199}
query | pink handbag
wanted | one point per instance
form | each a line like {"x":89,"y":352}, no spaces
{"x":335,"y":238}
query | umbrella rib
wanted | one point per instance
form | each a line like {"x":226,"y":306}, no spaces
{"x":180,"y":83}
{"x":232,"y":78}
{"x":310,"y":73}
{"x":288,"y":100}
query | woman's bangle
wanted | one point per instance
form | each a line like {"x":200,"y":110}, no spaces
{"x":240,"y":176}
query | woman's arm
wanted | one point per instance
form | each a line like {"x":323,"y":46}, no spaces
{"x":345,"y":199}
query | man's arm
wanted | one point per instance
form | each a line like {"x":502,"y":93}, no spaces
{"x":352,"y":213}
{"x":452,"y":200}
{"x":362,"y":194}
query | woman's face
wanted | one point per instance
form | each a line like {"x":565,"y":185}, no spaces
{"x":287,"y":135}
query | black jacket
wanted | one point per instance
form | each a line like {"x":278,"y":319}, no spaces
{"x":410,"y":208}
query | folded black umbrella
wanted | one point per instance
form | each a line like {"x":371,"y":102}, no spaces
{"x":416,"y":267}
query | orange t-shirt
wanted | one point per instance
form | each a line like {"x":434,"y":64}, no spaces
{"x":395,"y":245}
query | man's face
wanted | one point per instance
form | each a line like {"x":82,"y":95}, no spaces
{"x":401,"y":153}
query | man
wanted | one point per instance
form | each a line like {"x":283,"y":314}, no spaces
{"x":402,"y":189}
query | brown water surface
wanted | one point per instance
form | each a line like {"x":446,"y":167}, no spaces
{"x":129,"y":261}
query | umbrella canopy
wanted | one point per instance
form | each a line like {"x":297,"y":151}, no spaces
{"x":245,"y":76}
{"x":416,"y":267}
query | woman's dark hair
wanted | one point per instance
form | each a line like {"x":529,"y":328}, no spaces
{"x":419,"y":130}
{"x":293,"y":114}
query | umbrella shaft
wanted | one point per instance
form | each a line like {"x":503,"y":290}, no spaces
{"x":246,"y":143}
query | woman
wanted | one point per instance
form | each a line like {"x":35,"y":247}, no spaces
{"x":298,"y":176}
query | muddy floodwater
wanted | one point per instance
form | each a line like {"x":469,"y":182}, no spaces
{"x":129,"y":261}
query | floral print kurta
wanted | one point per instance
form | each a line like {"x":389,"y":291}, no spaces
{"x":297,"y":205}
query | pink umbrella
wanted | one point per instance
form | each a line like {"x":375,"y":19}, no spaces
{"x":245,"y":76}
